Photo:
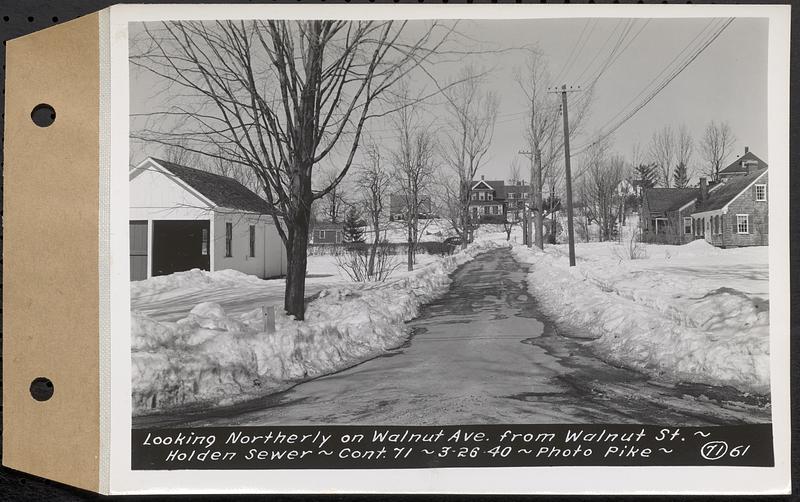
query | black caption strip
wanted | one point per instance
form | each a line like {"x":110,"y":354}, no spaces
{"x":397,"y":447}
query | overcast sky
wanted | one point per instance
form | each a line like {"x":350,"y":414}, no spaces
{"x":727,"y":82}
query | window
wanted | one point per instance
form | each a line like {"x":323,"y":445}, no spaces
{"x":495,"y":210}
{"x":321,"y":234}
{"x":485,"y":209}
{"x":228,"y":240}
{"x":474,"y":212}
{"x":510,"y":195}
{"x":687,"y":225}
{"x":474,"y":195}
{"x":661,"y":226}
{"x":204,"y":245}
{"x":742,"y":223}
{"x":761,"y":193}
{"x":716,"y":225}
{"x":252,"y":241}
{"x":488,"y":196}
{"x":481,"y":196}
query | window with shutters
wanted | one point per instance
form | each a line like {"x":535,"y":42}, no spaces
{"x":228,"y":240}
{"x":252,"y":241}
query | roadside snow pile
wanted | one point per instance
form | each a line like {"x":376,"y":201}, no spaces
{"x":210,"y":357}
{"x":191,"y":279}
{"x":692,"y":313}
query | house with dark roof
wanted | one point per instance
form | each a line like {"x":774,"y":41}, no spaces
{"x":183,"y":218}
{"x":487,"y":201}
{"x":742,"y":166}
{"x":665,"y":214}
{"x":398,"y":209}
{"x":326,"y":232}
{"x":736,"y":212}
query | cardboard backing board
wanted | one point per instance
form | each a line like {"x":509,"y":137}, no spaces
{"x":51,"y":326}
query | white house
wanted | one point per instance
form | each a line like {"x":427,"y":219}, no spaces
{"x":183,"y":218}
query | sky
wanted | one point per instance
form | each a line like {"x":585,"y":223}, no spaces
{"x":727,"y":82}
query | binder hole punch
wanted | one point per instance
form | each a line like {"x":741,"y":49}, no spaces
{"x":43,"y":115}
{"x":41,"y":389}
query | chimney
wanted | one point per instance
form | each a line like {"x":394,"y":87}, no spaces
{"x":481,"y":177}
{"x":703,"y":189}
{"x":746,"y":149}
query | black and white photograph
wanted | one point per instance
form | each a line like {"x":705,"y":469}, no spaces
{"x":432,"y":222}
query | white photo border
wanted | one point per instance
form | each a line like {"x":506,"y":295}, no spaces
{"x":117,"y":475}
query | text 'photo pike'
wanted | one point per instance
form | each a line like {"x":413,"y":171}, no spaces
{"x":426,"y":242}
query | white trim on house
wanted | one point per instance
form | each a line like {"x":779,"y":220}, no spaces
{"x":488,"y":186}
{"x":724,"y":209}
{"x":136,"y":171}
{"x":746,"y":224}
{"x":690,"y":203}
{"x":757,"y":186}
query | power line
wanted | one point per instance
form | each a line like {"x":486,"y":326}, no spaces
{"x":568,"y":61}
{"x":656,"y":91}
{"x":600,"y":50}
{"x":662,"y":72}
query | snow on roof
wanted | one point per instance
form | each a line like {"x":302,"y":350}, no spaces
{"x":221,"y":190}
{"x":750,"y":158}
{"x":661,"y":200}
{"x":728,"y":191}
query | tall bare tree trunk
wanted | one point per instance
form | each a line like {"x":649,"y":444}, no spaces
{"x":536,"y":188}
{"x":297,"y":257}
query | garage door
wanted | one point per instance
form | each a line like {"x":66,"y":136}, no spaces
{"x":180,"y":245}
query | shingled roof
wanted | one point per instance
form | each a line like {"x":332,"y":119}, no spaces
{"x":749,"y":157}
{"x":661,"y":200}
{"x":221,"y":190}
{"x":728,"y":191}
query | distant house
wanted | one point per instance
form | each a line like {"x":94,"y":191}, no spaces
{"x":516,"y":194}
{"x":665,"y":215}
{"x":736,"y":212}
{"x":325,"y":232}
{"x":183,"y":218}
{"x":398,"y":210}
{"x":742,"y":166}
{"x":487,"y":201}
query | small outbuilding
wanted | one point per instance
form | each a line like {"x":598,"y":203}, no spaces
{"x":183,"y":218}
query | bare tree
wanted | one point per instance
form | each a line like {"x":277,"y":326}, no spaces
{"x":716,"y":146}
{"x":684,"y":147}
{"x":373,"y":182}
{"x":471,"y":114}
{"x":414,"y":168}
{"x":600,"y":189}
{"x":662,"y":153}
{"x":279,"y":97}
{"x":333,"y":202}
{"x":544,"y":134}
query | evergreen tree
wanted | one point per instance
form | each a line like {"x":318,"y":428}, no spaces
{"x":645,"y":175}
{"x":680,"y":178}
{"x":353,"y":227}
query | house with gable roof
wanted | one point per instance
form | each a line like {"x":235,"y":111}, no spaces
{"x":665,"y":214}
{"x":745,"y":164}
{"x":183,"y":218}
{"x":736,"y":213}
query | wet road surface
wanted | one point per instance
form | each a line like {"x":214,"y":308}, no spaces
{"x":483,"y":354}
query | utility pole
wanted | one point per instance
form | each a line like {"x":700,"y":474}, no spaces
{"x":567,"y":171}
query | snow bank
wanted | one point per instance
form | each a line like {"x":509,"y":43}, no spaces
{"x":213,"y":358}
{"x":691,"y":313}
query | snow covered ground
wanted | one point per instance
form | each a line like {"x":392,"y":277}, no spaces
{"x":691,"y":313}
{"x":198,"y":338}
